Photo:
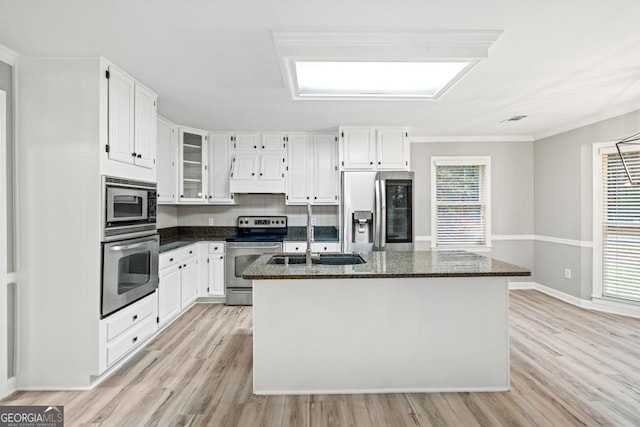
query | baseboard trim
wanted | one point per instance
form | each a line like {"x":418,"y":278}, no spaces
{"x":611,"y":307}
{"x":387,"y":390}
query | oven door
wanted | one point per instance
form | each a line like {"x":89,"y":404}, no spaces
{"x":129,"y":271}
{"x":126,"y":205}
{"x":240,"y":256}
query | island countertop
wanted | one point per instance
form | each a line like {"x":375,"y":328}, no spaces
{"x":391,"y":265}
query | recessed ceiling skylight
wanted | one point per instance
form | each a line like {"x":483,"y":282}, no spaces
{"x":378,"y":65}
{"x":376,"y":79}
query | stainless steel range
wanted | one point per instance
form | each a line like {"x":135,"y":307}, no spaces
{"x":257,"y":235}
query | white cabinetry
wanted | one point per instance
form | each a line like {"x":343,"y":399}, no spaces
{"x":189,"y":281}
{"x":313,"y":175}
{"x":193,"y":165}
{"x":220,"y":146}
{"x":301,"y":247}
{"x":365,"y":148}
{"x":259,"y":168}
{"x":125,"y":330}
{"x":167,"y":153}
{"x":132,"y":120}
{"x":245,"y":141}
{"x":178,"y":285}
{"x":215,"y":261}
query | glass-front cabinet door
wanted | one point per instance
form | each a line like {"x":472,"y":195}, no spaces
{"x":193,"y":167}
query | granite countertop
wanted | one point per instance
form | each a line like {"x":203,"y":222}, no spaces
{"x":177,"y":237}
{"x":391,"y":264}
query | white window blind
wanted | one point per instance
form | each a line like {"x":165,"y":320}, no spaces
{"x":460,"y":205}
{"x":620,"y":227}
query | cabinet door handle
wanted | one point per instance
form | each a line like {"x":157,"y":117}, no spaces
{"x":190,"y":252}
{"x":255,"y":146}
{"x":252,"y":174}
{"x":179,"y":267}
{"x":370,"y":163}
{"x":260,"y":173}
{"x":185,"y":266}
{"x":134,"y":318}
{"x":170,"y":259}
{"x":379,"y":163}
{"x":139,"y":156}
{"x":263,"y":147}
{"x":133,"y":341}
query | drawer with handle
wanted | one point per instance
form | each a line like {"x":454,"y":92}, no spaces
{"x":130,"y":339}
{"x":130,"y":316}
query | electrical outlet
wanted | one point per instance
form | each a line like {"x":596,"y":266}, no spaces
{"x":210,"y":221}
{"x":567,"y":273}
{"x":313,"y":221}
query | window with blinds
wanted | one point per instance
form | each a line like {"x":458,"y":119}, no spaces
{"x":620,"y":227}
{"x":461,"y":203}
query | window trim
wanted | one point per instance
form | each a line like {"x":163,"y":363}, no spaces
{"x":461,"y":161}
{"x":598,"y":150}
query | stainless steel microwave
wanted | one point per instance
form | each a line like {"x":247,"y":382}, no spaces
{"x":129,"y":208}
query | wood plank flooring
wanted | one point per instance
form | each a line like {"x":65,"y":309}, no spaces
{"x":568,"y":367}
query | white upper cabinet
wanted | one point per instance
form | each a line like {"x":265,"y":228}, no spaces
{"x":273,"y":141}
{"x":145,"y":127}
{"x":121,"y":116}
{"x":272,"y":167}
{"x":220,"y":146}
{"x":366,"y":148}
{"x":393,"y":149}
{"x":193,"y":165}
{"x":358,"y":148}
{"x":132,"y":114}
{"x":246,"y":141}
{"x":312,"y":174}
{"x":244,"y":167}
{"x":258,"y":168}
{"x":167,"y":153}
{"x":298,"y":172}
{"x":326,"y":177}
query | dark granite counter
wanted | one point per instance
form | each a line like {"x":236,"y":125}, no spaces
{"x":390,"y":265}
{"x":177,"y":237}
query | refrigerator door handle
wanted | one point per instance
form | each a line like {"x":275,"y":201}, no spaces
{"x":377,"y":215}
{"x":383,"y":214}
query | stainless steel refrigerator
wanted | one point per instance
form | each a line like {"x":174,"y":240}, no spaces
{"x":377,"y":211}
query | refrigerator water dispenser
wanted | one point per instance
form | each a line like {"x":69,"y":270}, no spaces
{"x":362,"y":227}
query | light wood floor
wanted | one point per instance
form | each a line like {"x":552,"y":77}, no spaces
{"x":568,"y":367}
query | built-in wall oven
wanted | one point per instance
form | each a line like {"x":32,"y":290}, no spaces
{"x":257,"y":235}
{"x":130,"y":243}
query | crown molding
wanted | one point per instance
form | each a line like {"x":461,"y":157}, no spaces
{"x":470,"y":138}
{"x":7,"y":55}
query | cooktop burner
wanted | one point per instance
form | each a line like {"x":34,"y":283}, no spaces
{"x":260,"y":229}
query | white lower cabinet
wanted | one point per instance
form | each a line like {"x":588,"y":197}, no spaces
{"x":301,"y":247}
{"x":215,"y":261}
{"x":189,"y":282}
{"x":126,"y":329}
{"x":178,"y":285}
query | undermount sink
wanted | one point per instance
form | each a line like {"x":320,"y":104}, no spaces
{"x":322,"y":259}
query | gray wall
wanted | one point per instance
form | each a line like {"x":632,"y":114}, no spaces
{"x":563,"y":182}
{"x":6,"y":85}
{"x":511,"y":192}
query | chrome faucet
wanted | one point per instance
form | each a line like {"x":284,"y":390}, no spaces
{"x":310,"y":237}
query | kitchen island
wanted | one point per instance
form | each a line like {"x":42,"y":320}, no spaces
{"x":400,"y":322}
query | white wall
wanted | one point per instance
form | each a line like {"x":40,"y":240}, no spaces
{"x":563,"y":202}
{"x":511,"y":193}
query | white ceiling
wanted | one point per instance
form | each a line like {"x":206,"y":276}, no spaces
{"x":564,"y":63}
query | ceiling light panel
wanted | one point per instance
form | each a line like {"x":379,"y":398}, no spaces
{"x":378,"y":65}
{"x":376,"y":79}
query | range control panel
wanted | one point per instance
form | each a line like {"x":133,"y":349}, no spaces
{"x":262,"y":222}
